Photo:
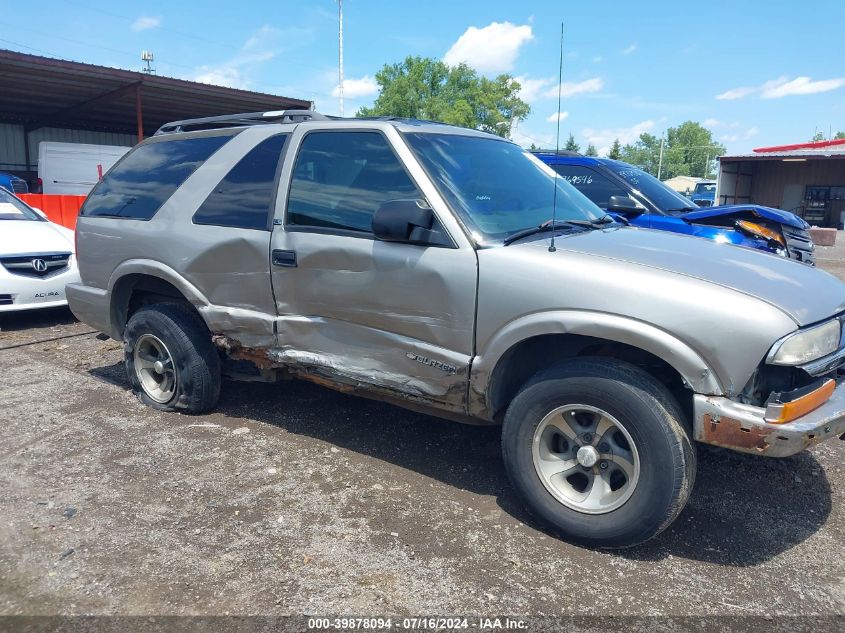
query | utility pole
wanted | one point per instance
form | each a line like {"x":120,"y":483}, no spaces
{"x":660,"y":160}
{"x":340,"y":52}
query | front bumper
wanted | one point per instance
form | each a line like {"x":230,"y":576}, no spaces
{"x":741,"y":427}
{"x":18,"y":292}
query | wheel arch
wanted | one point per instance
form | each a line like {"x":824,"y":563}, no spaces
{"x":537,"y":341}
{"x":138,"y":282}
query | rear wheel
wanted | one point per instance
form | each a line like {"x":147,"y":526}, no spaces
{"x":598,"y":451}
{"x":170,"y":360}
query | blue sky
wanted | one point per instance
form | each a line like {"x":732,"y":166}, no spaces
{"x":756,"y":73}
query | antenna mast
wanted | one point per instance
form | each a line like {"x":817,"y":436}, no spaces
{"x":340,"y":52}
{"x":552,"y":248}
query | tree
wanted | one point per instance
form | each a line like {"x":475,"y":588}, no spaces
{"x":688,"y":150}
{"x":615,"y":150}
{"x":819,"y":136}
{"x":426,"y":88}
{"x":643,"y":153}
{"x":571,"y":145}
{"x":591,"y":150}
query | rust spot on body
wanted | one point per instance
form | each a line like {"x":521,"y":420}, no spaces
{"x":730,"y":433}
{"x":256,"y":355}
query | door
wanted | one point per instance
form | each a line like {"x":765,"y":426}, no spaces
{"x":388,"y":317}
{"x":793,"y":196}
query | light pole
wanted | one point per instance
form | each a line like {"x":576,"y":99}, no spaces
{"x":340,"y":52}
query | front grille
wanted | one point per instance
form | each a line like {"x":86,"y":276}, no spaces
{"x":6,"y":300}
{"x":40,"y":265}
{"x":799,"y":245}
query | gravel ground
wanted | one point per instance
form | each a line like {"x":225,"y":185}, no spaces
{"x":293,"y":499}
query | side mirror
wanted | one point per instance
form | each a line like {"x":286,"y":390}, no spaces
{"x":624,"y":206}
{"x":409,"y":221}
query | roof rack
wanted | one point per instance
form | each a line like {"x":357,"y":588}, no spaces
{"x":246,"y":118}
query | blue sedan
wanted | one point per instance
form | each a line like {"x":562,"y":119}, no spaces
{"x":624,"y":190}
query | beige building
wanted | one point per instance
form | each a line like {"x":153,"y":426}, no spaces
{"x":682,"y":184}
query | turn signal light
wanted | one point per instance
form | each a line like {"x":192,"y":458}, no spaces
{"x":758,"y":230}
{"x":783,"y":412}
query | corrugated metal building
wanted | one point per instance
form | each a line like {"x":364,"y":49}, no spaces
{"x":807,"y":179}
{"x":13,"y":152}
{"x":45,"y":99}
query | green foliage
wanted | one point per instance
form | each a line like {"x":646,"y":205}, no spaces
{"x":571,"y":145}
{"x":689,"y":150}
{"x":591,"y":150}
{"x":426,"y":88}
{"x":615,"y":150}
{"x":819,"y":136}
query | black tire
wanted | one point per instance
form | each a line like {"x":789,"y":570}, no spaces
{"x":184,"y":333}
{"x":654,"y":421}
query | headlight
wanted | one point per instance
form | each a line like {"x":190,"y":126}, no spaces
{"x":806,"y":345}
{"x":758,"y":230}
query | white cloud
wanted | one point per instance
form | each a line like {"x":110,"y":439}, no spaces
{"x":529,"y":137}
{"x":784,"y":87}
{"x":531,"y":89}
{"x":553,"y":118}
{"x":236,"y":72}
{"x":491,"y":49}
{"x":736,"y":93}
{"x":603,"y":138}
{"x":570,"y":89}
{"x":582,"y":87}
{"x":630,"y":49}
{"x":145,"y":22}
{"x":799,"y":86}
{"x":744,"y":136}
{"x":355,"y":88}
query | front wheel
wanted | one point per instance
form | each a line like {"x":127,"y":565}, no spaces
{"x":170,"y":360}
{"x":597,"y":450}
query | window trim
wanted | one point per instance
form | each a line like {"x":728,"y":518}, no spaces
{"x":325,"y":230}
{"x":268,"y":224}
{"x":154,"y":140}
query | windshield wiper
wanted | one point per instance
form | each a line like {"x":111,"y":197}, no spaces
{"x":547,"y":226}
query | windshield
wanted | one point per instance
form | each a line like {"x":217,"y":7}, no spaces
{"x":497,"y":187}
{"x":13,"y":209}
{"x":705,"y":188}
{"x":666,"y":199}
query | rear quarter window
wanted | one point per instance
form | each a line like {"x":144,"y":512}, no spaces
{"x":242,"y":199}
{"x":145,"y":179}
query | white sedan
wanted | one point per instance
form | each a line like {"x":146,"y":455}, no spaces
{"x":36,"y":258}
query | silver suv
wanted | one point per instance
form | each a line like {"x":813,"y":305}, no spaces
{"x":448,"y":270}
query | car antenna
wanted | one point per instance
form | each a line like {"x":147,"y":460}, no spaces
{"x":552,"y":248}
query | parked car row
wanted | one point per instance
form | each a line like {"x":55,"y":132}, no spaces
{"x":450,"y":271}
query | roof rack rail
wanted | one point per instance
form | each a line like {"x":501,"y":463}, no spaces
{"x":246,"y":118}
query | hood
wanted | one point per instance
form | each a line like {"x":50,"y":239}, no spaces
{"x":19,"y":237}
{"x":806,"y":294}
{"x":776,"y":215}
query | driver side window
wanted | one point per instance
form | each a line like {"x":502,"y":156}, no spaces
{"x":340,"y":179}
{"x":593,"y":184}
